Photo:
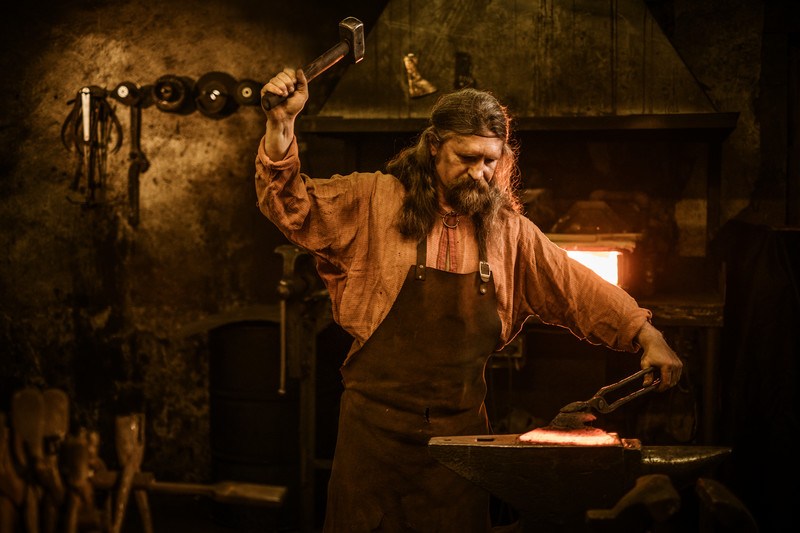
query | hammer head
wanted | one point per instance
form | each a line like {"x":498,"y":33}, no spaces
{"x":352,"y":30}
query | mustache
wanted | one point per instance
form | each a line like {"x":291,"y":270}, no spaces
{"x":472,"y":197}
{"x":468,"y":184}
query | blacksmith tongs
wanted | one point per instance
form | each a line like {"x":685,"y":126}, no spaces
{"x":576,"y":414}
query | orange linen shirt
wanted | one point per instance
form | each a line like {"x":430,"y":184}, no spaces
{"x":348,"y":224}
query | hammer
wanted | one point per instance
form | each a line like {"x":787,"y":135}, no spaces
{"x":351,"y":31}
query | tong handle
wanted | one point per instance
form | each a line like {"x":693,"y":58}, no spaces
{"x":599,"y":403}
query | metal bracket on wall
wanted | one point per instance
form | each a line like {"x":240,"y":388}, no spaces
{"x":92,"y":129}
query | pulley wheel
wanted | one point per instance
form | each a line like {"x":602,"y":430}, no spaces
{"x":214,"y":95}
{"x":170,"y":93}
{"x":248,"y":92}
{"x":127,"y":93}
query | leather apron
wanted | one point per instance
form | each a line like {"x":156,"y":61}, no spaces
{"x":420,"y":375}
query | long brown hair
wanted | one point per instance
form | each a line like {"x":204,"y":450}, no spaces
{"x":463,"y":112}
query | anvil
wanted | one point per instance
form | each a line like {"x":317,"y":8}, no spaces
{"x":553,"y":486}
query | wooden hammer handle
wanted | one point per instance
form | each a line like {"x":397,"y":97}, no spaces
{"x":227,"y":492}
{"x":314,"y":69}
{"x":223,"y":491}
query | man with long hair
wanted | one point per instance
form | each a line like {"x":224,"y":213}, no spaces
{"x":431,"y":267}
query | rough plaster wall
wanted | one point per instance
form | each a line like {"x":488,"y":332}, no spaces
{"x":87,"y":302}
{"x":727,"y":63}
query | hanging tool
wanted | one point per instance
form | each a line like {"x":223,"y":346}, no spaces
{"x":89,"y":129}
{"x":139,"y":164}
{"x":576,"y":414}
{"x":86,"y":140}
{"x":351,"y":31}
{"x":134,"y":97}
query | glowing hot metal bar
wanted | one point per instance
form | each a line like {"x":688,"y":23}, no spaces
{"x":587,"y":436}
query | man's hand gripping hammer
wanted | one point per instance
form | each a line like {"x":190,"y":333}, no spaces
{"x":351,"y":31}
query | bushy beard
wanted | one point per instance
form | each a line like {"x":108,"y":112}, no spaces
{"x":473,"y":197}
{"x":479,"y":200}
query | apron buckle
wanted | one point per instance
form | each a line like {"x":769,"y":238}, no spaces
{"x":485,"y":271}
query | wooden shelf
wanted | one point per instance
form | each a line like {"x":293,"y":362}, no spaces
{"x":707,"y":126}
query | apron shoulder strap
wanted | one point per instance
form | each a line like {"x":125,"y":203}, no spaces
{"x":422,"y":255}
